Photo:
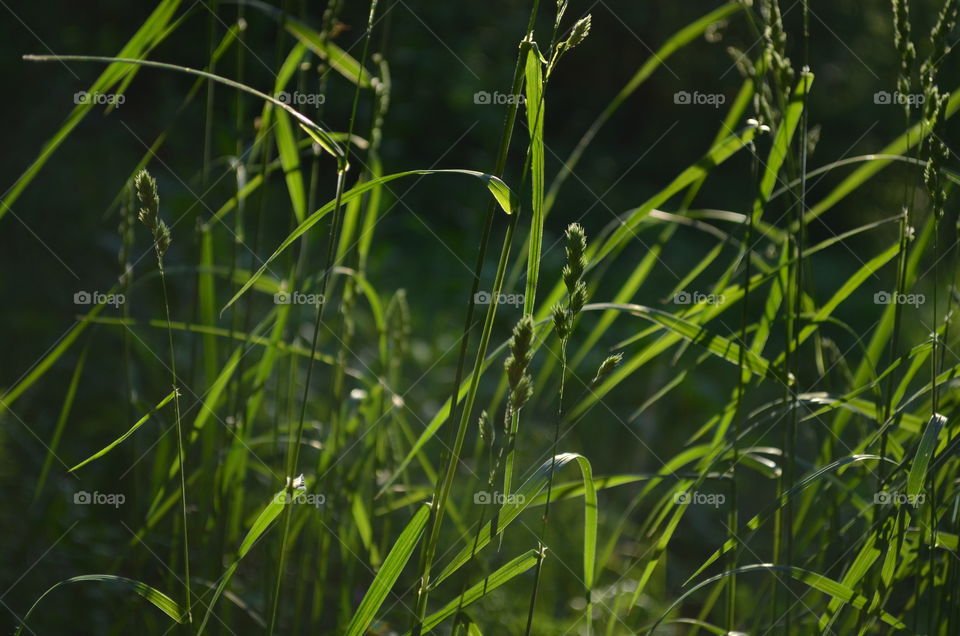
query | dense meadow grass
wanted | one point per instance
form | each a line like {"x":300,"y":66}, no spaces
{"x":727,"y":407}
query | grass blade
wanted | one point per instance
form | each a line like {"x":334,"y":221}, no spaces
{"x":387,"y":576}
{"x":133,"y":429}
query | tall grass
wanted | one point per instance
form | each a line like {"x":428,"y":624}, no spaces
{"x":311,"y":490}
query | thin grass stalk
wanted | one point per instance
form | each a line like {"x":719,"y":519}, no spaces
{"x":564,"y":319}
{"x":442,"y":489}
{"x":293,"y":458}
{"x":150,"y":215}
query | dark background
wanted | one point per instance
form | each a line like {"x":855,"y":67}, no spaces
{"x":60,"y":236}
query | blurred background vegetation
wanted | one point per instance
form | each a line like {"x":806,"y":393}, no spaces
{"x":61,"y":235}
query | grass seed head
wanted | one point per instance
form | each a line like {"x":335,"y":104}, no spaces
{"x":580,"y":32}
{"x":578,"y":298}
{"x":149,"y":199}
{"x":576,"y":260}
{"x":561,"y":321}
{"x":487,"y":434}
{"x":521,"y":347}
{"x":606,"y":368}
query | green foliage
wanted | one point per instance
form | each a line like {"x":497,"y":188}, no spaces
{"x":772,"y":448}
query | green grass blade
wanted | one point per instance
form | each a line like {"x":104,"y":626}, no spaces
{"x":497,"y":188}
{"x":133,"y":429}
{"x":814,"y":580}
{"x":154,"y":596}
{"x":535,"y":104}
{"x":387,"y":576}
{"x":525,"y":495}
{"x":718,"y":345}
{"x":511,"y":570}
{"x":339,"y":60}
{"x":290,"y":160}
{"x":925,"y":450}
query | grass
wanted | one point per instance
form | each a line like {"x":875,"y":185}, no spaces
{"x":815,"y":491}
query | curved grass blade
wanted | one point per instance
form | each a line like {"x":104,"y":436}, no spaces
{"x":816,"y":581}
{"x":526,"y":494}
{"x":503,"y":195}
{"x":781,"y":501}
{"x":315,"y":129}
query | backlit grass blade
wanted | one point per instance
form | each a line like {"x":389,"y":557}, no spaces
{"x":812,"y":579}
{"x":511,"y":570}
{"x":290,"y":160}
{"x":497,"y":188}
{"x":133,"y":429}
{"x":853,"y":283}
{"x":339,"y":59}
{"x":597,"y":252}
{"x":535,"y":104}
{"x":154,"y":596}
{"x":207,"y":303}
{"x":925,"y":450}
{"x":782,"y":142}
{"x":387,"y":576}
{"x":315,"y":129}
{"x":525,"y":496}
{"x":715,"y":344}
{"x":861,"y":175}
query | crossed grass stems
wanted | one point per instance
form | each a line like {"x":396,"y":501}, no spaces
{"x":742,"y":344}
